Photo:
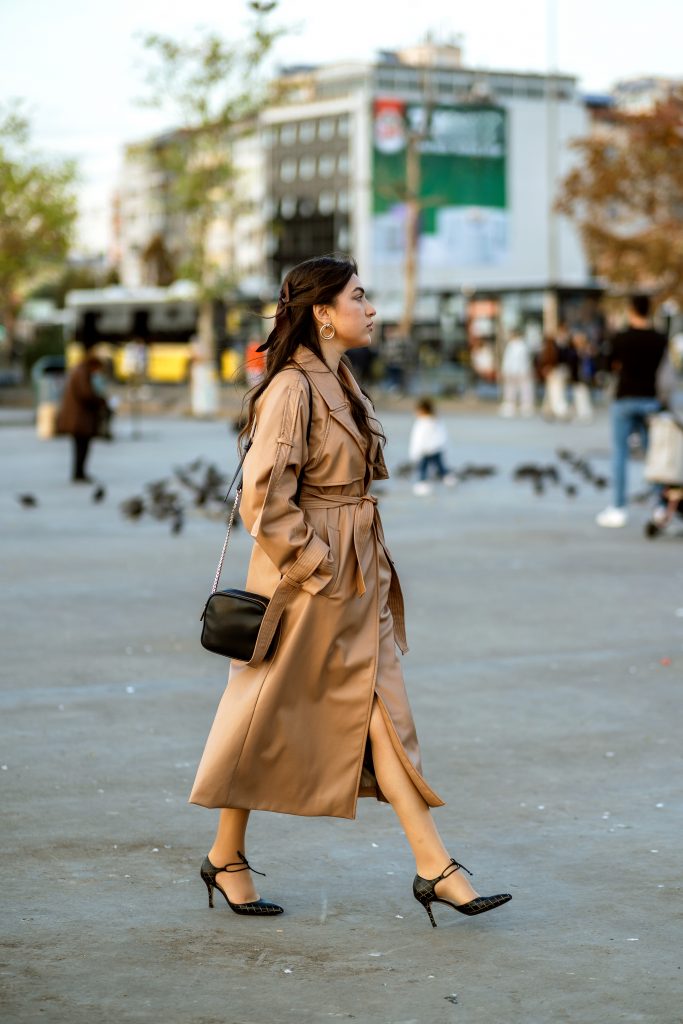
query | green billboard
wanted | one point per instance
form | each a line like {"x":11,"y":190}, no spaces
{"x":462,"y":183}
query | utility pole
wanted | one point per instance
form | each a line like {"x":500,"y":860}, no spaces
{"x":416,"y":134}
{"x":412,"y":232}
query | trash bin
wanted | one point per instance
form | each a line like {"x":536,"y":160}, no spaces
{"x":48,"y":375}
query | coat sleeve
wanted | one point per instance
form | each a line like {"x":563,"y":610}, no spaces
{"x":271,"y":471}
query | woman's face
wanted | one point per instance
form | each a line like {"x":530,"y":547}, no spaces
{"x":351,"y":316}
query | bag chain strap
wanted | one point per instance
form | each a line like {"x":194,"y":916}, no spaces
{"x":231,"y":520}
{"x":236,"y":502}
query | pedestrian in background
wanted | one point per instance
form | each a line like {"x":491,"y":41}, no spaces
{"x":583,"y":373}
{"x":635,"y":356}
{"x":84,"y":409}
{"x":553,"y":370}
{"x":324,"y":719}
{"x":254,"y":361}
{"x":518,"y":382}
{"x":428,"y":442}
{"x":394,"y":352}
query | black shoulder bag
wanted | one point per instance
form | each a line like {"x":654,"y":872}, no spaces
{"x":233,"y":619}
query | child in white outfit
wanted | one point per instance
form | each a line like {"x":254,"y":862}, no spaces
{"x":428,"y":441}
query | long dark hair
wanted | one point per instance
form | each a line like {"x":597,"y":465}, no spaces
{"x":315,"y":282}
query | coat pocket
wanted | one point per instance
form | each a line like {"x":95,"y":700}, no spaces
{"x":334,"y":542}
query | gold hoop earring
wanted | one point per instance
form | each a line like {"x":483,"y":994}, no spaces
{"x":327,"y":337}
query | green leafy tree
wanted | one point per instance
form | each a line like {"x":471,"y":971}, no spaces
{"x":38,"y":210}
{"x":214,"y":89}
{"x":626,"y":197}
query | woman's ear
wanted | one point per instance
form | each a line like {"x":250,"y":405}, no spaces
{"x":321,"y":314}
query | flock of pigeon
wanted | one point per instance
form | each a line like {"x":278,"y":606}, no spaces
{"x":198,"y":483}
{"x":540,"y":475}
{"x":202,"y":485}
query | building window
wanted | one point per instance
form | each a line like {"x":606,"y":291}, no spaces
{"x":343,"y":163}
{"x":306,"y":167}
{"x":288,"y":207}
{"x":288,"y":170}
{"x":326,"y":129}
{"x":326,"y":166}
{"x":307,"y":131}
{"x":343,"y":200}
{"x":326,"y":202}
{"x":343,"y":126}
{"x":288,"y":134}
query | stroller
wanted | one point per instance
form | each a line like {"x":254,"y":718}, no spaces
{"x":664,"y":466}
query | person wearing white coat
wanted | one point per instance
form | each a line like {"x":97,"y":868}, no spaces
{"x":518,"y":383}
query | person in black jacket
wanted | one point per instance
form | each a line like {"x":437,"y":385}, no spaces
{"x":635,"y":356}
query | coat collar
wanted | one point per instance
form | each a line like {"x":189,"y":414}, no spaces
{"x":325,"y":381}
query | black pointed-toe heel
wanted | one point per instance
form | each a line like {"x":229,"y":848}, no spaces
{"x":256,"y":907}
{"x":423,"y":891}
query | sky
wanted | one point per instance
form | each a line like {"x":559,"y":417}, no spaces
{"x":79,"y":64}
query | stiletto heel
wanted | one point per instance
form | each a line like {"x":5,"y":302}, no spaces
{"x":428,"y":908}
{"x":256,"y":907}
{"x":424,"y":893}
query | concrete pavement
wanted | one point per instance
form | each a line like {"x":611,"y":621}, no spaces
{"x":545,"y":676}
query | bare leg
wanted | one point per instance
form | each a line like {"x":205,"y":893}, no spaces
{"x":230,"y":837}
{"x":431,"y":856}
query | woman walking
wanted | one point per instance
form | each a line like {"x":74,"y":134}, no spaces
{"x":83,"y":408}
{"x":326,"y":718}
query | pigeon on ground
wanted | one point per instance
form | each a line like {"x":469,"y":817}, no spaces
{"x":472,"y":470}
{"x":527,"y":471}
{"x":27,"y":500}
{"x":132,"y":508}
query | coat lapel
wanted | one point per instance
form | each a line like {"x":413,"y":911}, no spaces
{"x":328,"y":387}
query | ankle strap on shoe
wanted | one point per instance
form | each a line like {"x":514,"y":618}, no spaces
{"x":242,"y":865}
{"x":450,"y":869}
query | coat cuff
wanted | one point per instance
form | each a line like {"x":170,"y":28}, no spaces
{"x":314,"y":567}
{"x":319,"y":579}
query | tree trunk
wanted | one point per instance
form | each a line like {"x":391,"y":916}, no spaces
{"x":204,"y":376}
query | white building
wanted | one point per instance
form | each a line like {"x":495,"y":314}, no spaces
{"x":324,"y":169}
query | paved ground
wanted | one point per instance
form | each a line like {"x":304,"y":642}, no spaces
{"x":545,"y":674}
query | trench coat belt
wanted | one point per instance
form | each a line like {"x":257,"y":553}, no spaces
{"x":363,"y":518}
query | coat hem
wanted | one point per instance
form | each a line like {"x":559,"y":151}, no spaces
{"x":274,"y":809}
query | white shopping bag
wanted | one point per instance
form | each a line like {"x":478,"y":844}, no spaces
{"x":664,"y":463}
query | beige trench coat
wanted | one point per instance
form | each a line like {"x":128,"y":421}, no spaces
{"x":290,"y":733}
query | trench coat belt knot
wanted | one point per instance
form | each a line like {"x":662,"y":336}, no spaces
{"x":363,"y":519}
